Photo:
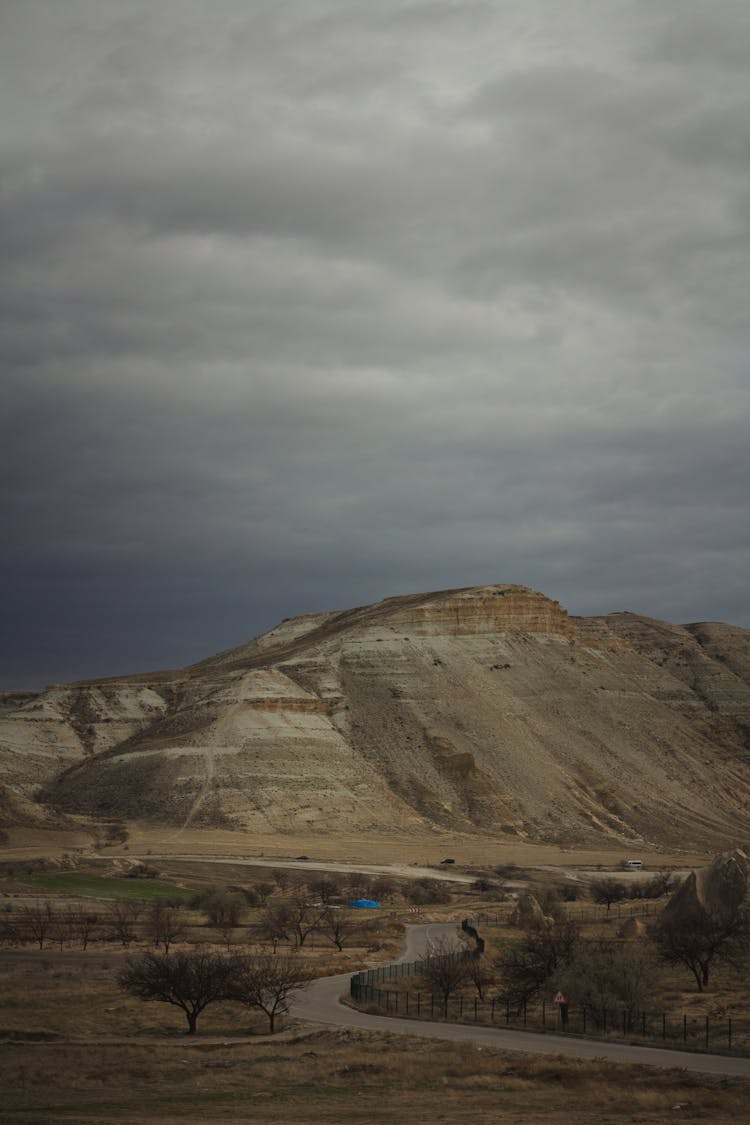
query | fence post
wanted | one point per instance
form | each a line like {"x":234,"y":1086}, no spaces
{"x":432,"y":1004}
{"x":624,"y":1023}
{"x":475,"y":1009}
{"x":684,"y":1029}
{"x":406,"y":1001}
{"x":524,"y":1013}
{"x":584,"y":1021}
{"x":460,"y":1006}
{"x":419,"y":1004}
{"x":706,"y":1031}
{"x":729,"y":1032}
{"x":643,"y":1024}
{"x":544,"y":1013}
{"x":492,"y":1010}
{"x":664,"y":1025}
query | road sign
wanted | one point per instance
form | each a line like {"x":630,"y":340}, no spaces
{"x":558,"y":998}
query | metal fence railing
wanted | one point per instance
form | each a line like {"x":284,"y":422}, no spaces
{"x":698,"y":1032}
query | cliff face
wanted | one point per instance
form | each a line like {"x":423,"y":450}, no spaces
{"x":487,"y":708}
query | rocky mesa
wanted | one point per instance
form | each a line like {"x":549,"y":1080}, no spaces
{"x":482,"y":710}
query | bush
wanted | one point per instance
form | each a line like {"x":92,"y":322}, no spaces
{"x":428,"y":892}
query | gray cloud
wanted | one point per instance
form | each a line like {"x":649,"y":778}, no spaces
{"x":306,"y":304}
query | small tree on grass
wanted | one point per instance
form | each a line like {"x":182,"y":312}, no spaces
{"x":189,"y":981}
{"x":445,"y":969}
{"x":265,"y":981}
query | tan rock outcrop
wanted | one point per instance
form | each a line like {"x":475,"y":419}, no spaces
{"x":712,"y":892}
{"x":528,"y":914}
{"x":480,"y":709}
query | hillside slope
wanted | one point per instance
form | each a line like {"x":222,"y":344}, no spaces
{"x":484,"y":709}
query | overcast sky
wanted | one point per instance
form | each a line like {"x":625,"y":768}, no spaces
{"x":304,"y":303}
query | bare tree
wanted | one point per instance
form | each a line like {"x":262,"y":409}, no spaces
{"x":304,"y":917}
{"x":263,"y":891}
{"x":35,"y":923}
{"x":61,"y":927}
{"x":480,"y":972}
{"x":529,"y":965}
{"x":445,"y":969}
{"x":123,"y":919}
{"x":164,"y":924}
{"x":358,"y":884}
{"x":700,"y":939}
{"x":189,"y":981}
{"x":325,"y":889}
{"x":338,"y":926}
{"x":608,"y":890}
{"x":609,"y":974}
{"x":265,"y":981}
{"x":84,"y":923}
{"x":223,"y":908}
{"x":273,"y":925}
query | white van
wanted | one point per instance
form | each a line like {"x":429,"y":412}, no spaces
{"x":633,"y":864}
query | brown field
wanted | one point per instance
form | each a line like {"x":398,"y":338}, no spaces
{"x":318,"y":1077}
{"x":346,"y":847}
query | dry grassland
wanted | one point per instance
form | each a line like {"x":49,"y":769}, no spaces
{"x":350,"y":848}
{"x":321,"y":1077}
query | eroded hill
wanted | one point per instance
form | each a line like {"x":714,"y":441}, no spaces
{"x":484,"y":709}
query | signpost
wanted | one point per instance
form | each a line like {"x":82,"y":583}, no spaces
{"x":561,"y":1002}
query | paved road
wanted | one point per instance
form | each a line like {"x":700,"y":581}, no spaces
{"x":320,"y":1003}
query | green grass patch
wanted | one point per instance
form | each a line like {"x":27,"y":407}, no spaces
{"x":101,"y":886}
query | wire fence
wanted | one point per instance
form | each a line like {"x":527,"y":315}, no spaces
{"x":692,"y":1030}
{"x":697,"y":1032}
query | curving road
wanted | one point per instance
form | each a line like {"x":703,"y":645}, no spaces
{"x":321,"y":1004}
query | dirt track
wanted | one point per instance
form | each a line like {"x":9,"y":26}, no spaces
{"x":402,"y":870}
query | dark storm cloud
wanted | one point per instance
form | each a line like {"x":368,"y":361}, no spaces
{"x":306,"y":304}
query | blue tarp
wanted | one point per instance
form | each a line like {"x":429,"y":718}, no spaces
{"x":365,"y":904}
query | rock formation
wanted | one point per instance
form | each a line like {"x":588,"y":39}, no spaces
{"x":714,"y":892}
{"x":528,"y":914}
{"x":487,"y":709}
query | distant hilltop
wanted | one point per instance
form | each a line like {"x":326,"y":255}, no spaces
{"x":486,"y":709}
